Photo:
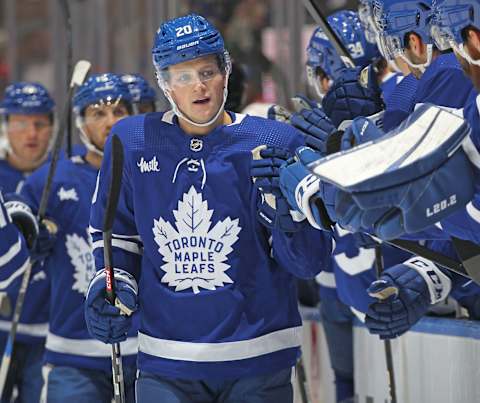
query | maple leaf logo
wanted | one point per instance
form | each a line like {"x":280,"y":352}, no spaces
{"x":81,"y":257}
{"x":195,"y":256}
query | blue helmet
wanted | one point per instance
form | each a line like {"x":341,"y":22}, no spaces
{"x":139,"y":88}
{"x":26,"y":98}
{"x":185,"y":38}
{"x":107,"y":87}
{"x":450,"y":18}
{"x":365,"y":15}
{"x":321,"y":53}
{"x":397,"y":18}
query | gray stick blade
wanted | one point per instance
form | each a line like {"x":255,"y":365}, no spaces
{"x":80,"y":71}
{"x":116,"y":172}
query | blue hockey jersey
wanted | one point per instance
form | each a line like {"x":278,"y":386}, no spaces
{"x":216,"y":290}
{"x":70,"y":266}
{"x":443,"y":83}
{"x":33,"y":324}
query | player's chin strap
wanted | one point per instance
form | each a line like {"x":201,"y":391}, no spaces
{"x":462,"y":51}
{"x":79,"y":122}
{"x":422,"y":66}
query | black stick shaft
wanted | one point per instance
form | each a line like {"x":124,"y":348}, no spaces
{"x":386,"y":343}
{"x":116,"y":171}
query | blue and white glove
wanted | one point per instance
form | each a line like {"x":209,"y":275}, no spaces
{"x":22,"y":216}
{"x":404,"y":293}
{"x":105,"y":322}
{"x":279,"y":113}
{"x":348,"y":98}
{"x":40,"y":237}
{"x":320,"y":134}
{"x":273,"y":209}
{"x":360,"y":131}
{"x":306,"y":193}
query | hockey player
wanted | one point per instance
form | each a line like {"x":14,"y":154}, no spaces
{"x":27,"y":122}
{"x":211,"y":278}
{"x":77,"y":367}
{"x":143,"y":95}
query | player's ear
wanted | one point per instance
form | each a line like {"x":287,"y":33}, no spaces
{"x":473,"y":39}
{"x":415,"y":43}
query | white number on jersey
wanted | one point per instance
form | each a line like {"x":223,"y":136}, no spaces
{"x":356,"y":50}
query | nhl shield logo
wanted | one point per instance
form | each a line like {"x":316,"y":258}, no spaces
{"x":196,"y":145}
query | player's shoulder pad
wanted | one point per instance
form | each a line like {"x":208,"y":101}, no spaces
{"x":257,"y":131}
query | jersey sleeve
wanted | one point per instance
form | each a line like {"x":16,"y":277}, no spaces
{"x":127,"y":247}
{"x":304,"y":253}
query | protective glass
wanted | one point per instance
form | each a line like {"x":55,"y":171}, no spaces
{"x":189,"y":77}
{"x":102,"y":111}
{"x":442,"y":37}
{"x":18,"y":126}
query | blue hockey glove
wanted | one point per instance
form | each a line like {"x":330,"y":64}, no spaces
{"x":45,"y":241}
{"x":404,"y":294}
{"x":320,"y":133}
{"x":279,"y":113}
{"x":306,"y":193}
{"x":274,"y":211}
{"x":105,"y":322}
{"x":22,"y":216}
{"x":301,"y":102}
{"x":348,"y":98}
{"x":361,"y":131}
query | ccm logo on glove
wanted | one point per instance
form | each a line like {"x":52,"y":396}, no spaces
{"x":438,"y":207}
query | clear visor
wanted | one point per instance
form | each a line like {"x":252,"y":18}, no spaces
{"x":105,"y":110}
{"x":442,"y":37}
{"x":182,"y":78}
{"x":389,"y":47}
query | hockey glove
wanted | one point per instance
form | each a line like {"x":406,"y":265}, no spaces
{"x":348,"y":98}
{"x":361,"y":131}
{"x":274,"y":211}
{"x":22,"y":216}
{"x":306,"y":193}
{"x":320,"y":133}
{"x":404,"y":294}
{"x":105,"y":322}
{"x":279,"y":113}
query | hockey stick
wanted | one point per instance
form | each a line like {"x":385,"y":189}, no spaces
{"x":116,"y":171}
{"x":65,"y":6}
{"x":320,"y":19}
{"x":386,"y":343}
{"x":80,"y":72}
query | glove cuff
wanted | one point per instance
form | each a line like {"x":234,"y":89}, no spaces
{"x":439,"y":284}
{"x":22,"y":216}
{"x":305,"y":189}
{"x":120,"y":275}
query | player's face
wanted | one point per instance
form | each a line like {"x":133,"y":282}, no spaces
{"x":29,"y":136}
{"x":100,"y":118}
{"x":197,"y":87}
